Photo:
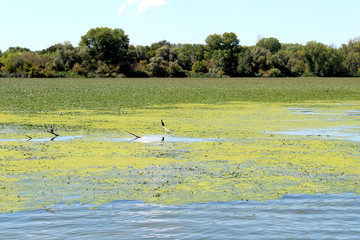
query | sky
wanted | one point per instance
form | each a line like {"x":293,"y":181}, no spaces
{"x":38,"y":24}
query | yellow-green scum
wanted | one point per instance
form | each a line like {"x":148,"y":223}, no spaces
{"x":243,"y":156}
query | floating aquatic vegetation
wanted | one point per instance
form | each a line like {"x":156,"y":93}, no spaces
{"x":234,"y":151}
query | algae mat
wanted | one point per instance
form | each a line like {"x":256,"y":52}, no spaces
{"x":228,"y":152}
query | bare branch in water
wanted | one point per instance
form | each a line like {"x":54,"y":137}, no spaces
{"x":48,"y":209}
{"x":29,"y":137}
{"x":133,"y":134}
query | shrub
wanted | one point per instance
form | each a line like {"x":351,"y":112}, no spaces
{"x":200,"y":67}
{"x":274,"y":72}
{"x":308,"y":74}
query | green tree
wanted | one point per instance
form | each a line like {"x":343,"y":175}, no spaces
{"x":291,"y":47}
{"x":352,"y":63}
{"x":158,"y":67}
{"x":200,"y":67}
{"x":323,"y":60}
{"x":230,"y":41}
{"x":188,"y":54}
{"x":13,"y":50}
{"x":255,"y":61}
{"x":223,"y":52}
{"x":213,"y":42}
{"x":351,"y":54}
{"x":271,"y":44}
{"x":227,"y":41}
{"x":279,"y":60}
{"x":138,"y":53}
{"x":167,"y":53}
{"x":155,"y":46}
{"x":315,"y":56}
{"x":107,"y":45}
{"x":175,"y":69}
{"x":221,"y":61}
{"x":64,"y":57}
{"x":165,"y":63}
{"x":296,"y":64}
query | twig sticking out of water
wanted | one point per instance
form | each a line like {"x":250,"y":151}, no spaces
{"x":48,"y":209}
{"x":133,"y":134}
{"x":51,"y":130}
{"x":29,"y":137}
{"x":163,"y":126}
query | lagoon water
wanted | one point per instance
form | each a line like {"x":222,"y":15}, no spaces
{"x":291,"y":217}
{"x":333,"y":216}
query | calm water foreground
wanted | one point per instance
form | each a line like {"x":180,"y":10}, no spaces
{"x":291,"y":217}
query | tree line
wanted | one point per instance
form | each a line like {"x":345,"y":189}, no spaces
{"x":106,"y":52}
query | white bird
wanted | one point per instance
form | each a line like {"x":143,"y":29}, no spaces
{"x":163,"y":126}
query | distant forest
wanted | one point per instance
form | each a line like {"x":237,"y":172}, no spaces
{"x":106,"y":52}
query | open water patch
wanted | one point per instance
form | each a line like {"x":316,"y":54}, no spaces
{"x":312,"y":112}
{"x":353,"y":113}
{"x":144,"y":139}
{"x":161,"y":138}
{"x":59,"y":138}
{"x":346,"y":133}
{"x":300,"y":110}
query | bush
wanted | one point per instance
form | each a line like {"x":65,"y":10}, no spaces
{"x":273,"y":73}
{"x":358,"y":73}
{"x":206,"y":75}
{"x":200,"y":67}
{"x":308,"y":74}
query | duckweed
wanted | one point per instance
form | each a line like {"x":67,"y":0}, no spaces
{"x":247,"y":159}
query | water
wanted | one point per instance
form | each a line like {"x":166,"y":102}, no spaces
{"x":144,"y":139}
{"x":60,"y":138}
{"x":292,"y":217}
{"x":345,"y":133}
{"x":166,"y":138}
{"x":350,"y":133}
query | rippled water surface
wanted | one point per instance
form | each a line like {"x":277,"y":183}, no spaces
{"x":291,"y":217}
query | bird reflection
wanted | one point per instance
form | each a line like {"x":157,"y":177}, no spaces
{"x":53,"y":138}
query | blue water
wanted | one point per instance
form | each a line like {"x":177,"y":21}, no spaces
{"x":292,"y":217}
{"x":166,"y":138}
{"x":144,"y":139}
{"x":350,"y":133}
{"x":60,"y":138}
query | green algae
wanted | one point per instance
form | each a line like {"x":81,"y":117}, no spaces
{"x":247,"y":160}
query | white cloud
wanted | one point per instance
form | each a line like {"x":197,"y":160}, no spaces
{"x":122,"y":8}
{"x":132,"y":1}
{"x":143,"y":5}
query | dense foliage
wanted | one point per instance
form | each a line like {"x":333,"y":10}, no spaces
{"x":105,"y":52}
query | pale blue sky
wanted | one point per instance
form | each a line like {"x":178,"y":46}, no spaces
{"x":38,"y":24}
